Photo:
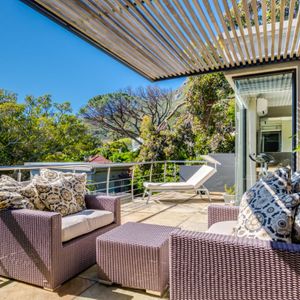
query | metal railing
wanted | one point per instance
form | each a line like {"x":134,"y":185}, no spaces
{"x":130,"y":186}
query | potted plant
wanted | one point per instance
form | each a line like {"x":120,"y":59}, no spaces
{"x":229,"y":195}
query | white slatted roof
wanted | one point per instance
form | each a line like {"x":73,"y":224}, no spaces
{"x":163,"y":39}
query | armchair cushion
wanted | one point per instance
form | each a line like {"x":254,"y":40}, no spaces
{"x":295,"y":182}
{"x":74,"y":181}
{"x":83,"y":222}
{"x":10,"y":197}
{"x":267,"y":210}
{"x":9,"y":184}
{"x":57,"y":196}
{"x":225,"y":227}
{"x":12,"y":200}
{"x":30,"y":193}
{"x":103,"y":202}
{"x":296,"y":227}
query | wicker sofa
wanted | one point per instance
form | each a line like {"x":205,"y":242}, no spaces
{"x":32,"y":249}
{"x":210,"y":266}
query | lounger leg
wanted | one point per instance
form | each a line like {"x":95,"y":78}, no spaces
{"x":149,"y":196}
{"x":207,"y":193}
{"x":144,"y":194}
{"x":200,"y":193}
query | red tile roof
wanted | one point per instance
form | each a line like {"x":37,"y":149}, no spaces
{"x":99,"y":159}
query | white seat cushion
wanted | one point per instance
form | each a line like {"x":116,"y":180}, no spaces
{"x":201,"y":176}
{"x":194,"y":183}
{"x":83,"y":222}
{"x":168,"y":186}
{"x":225,"y":227}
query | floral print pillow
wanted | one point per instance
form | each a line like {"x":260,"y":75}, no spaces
{"x":267,"y":210}
{"x":75,"y":182}
{"x":30,"y":193}
{"x":57,"y":196}
{"x":10,"y":198}
{"x":13,"y":200}
{"x":9,"y":184}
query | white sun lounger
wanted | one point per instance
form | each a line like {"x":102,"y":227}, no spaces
{"x":195,"y":183}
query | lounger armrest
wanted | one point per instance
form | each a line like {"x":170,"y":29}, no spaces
{"x":219,"y":213}
{"x":226,"y":267}
{"x":108,"y":203}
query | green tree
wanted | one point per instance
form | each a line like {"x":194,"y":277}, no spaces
{"x":206,"y":124}
{"x":117,"y":151}
{"x":211,"y":105}
{"x":40,"y":130}
{"x":242,"y":12}
{"x":122,"y":113}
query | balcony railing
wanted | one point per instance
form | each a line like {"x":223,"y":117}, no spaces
{"x":128,"y":183}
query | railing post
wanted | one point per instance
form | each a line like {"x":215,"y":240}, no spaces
{"x":132,"y":183}
{"x":107,"y":180}
{"x":165,"y":171}
{"x":19,"y":176}
{"x":174,"y":171}
{"x":151,"y":171}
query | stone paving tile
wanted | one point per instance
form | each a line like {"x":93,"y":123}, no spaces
{"x":90,"y":274}
{"x":102,"y":292}
{"x":68,"y":291}
{"x":136,"y":217}
{"x":168,"y":218}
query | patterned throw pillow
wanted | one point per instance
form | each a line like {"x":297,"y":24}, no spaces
{"x":13,"y":200}
{"x":279,"y":181}
{"x":76,"y":182}
{"x":30,"y":193}
{"x":57,"y":196}
{"x":9,"y":184}
{"x":296,"y":227}
{"x":267,"y":210}
{"x":10,"y":198}
{"x":295,"y":182}
{"x":50,"y":175}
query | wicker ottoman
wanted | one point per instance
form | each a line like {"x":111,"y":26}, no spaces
{"x":135,"y":255}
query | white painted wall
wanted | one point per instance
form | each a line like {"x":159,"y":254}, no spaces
{"x":286,"y":133}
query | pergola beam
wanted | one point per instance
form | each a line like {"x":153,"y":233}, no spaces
{"x":164,"y":39}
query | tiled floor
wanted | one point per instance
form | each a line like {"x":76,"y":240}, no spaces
{"x":175,"y":209}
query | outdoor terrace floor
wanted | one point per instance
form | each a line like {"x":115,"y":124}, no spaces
{"x":176,"y":209}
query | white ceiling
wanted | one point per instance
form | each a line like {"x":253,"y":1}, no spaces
{"x":277,"y":89}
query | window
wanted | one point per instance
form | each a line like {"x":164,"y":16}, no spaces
{"x":271,"y":141}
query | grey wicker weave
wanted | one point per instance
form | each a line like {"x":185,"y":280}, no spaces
{"x":32,"y":250}
{"x":206,"y":266}
{"x":135,"y":255}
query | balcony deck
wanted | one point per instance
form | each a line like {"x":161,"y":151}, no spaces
{"x":175,"y":209}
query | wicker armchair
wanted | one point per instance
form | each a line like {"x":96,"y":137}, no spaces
{"x":32,"y":250}
{"x":206,"y":266}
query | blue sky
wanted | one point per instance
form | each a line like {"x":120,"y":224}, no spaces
{"x":37,"y":56}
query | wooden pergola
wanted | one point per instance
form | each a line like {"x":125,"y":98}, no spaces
{"x":164,"y":39}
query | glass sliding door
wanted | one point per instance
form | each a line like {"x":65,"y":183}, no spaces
{"x":240,"y":146}
{"x":265,"y":118}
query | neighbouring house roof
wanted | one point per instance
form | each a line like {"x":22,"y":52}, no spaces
{"x":98,"y":159}
{"x":164,"y":39}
